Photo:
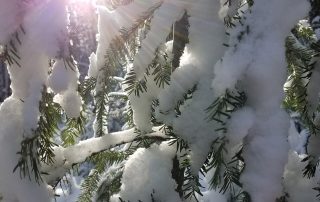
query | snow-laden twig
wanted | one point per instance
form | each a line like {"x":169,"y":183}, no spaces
{"x":67,"y":157}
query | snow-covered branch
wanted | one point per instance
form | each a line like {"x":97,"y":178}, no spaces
{"x":67,"y":157}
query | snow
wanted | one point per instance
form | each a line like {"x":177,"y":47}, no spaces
{"x":110,"y":22}
{"x":312,"y":89}
{"x":156,"y":164}
{"x":252,"y":63}
{"x":195,"y":68}
{"x":60,"y":77}
{"x":64,"y":82}
{"x":20,"y":112}
{"x":71,"y":102}
{"x":299,"y":188}
{"x":211,"y":195}
{"x":239,"y":124}
{"x":66,"y":157}
{"x":255,"y":64}
{"x":162,"y":21}
{"x":10,"y":19}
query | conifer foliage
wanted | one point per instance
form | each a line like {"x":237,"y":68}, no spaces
{"x":217,"y":100}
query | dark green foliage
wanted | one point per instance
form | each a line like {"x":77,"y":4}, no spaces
{"x":74,"y":128}
{"x":191,"y":185}
{"x":220,"y":110}
{"x":85,"y":88}
{"x":186,"y":96}
{"x":310,"y":169}
{"x":100,"y":162}
{"x":101,"y":99}
{"x":121,"y":48}
{"x":178,"y":175}
{"x":226,"y":174}
{"x":162,"y":73}
{"x":39,"y":148}
{"x":11,"y":52}
{"x":134,"y":85}
{"x":111,"y":185}
{"x":300,"y":68}
{"x":159,"y":69}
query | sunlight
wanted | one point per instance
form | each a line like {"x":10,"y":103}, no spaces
{"x":81,"y":1}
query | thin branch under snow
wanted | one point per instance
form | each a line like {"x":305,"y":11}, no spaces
{"x":67,"y":157}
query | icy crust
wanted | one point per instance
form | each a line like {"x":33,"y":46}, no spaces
{"x":148,"y":172}
{"x":35,"y":44}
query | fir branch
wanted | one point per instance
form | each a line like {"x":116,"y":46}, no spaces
{"x":39,"y":148}
{"x":191,"y":185}
{"x":227,"y":174}
{"x":310,"y":170}
{"x":85,"y":88}
{"x":161,"y":72}
{"x":134,"y":85}
{"x":222,"y":108}
{"x":187,"y":96}
{"x":111,"y":185}
{"x":300,"y":68}
{"x":120,"y":48}
{"x":100,"y":162}
{"x":104,"y":143}
{"x":10,"y":53}
{"x":74,"y":128}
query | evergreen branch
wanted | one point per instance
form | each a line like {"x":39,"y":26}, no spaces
{"x":300,"y":67}
{"x":222,"y":108}
{"x":71,"y":155}
{"x":161,"y":72}
{"x":10,"y":53}
{"x":39,"y":148}
{"x":89,"y":186}
{"x":74,"y":128}
{"x":310,"y":170}
{"x":85,"y":88}
{"x":120,"y":49}
{"x":226,"y":174}
{"x":191,"y":185}
{"x":110,"y":186}
{"x":100,"y":162}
